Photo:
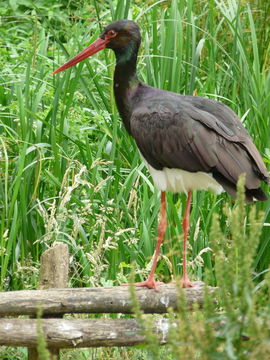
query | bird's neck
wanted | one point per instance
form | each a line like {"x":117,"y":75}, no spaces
{"x":125,"y":81}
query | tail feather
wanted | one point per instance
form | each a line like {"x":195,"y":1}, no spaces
{"x":255,"y":194}
{"x":230,"y":188}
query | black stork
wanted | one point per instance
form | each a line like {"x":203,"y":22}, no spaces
{"x":188,"y":142}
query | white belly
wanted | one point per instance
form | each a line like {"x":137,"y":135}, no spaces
{"x":176,"y":180}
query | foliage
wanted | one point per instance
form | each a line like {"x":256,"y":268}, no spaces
{"x":70,"y":172}
{"x":233,"y":322}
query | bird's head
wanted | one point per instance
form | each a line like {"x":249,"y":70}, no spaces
{"x":119,"y":36}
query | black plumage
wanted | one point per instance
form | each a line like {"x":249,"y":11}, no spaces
{"x":196,"y":134}
{"x":188,"y":142}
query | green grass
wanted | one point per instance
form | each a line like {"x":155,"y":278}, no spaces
{"x":69,"y":171}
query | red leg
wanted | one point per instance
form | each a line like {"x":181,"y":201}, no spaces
{"x":150,"y":282}
{"x":185,"y":280}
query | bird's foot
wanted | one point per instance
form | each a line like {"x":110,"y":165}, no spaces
{"x":150,"y":283}
{"x":185,"y":283}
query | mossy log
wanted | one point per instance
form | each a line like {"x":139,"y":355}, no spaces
{"x":62,"y":333}
{"x":96,"y":300}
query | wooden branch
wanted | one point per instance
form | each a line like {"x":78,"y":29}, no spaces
{"x":79,"y":332}
{"x":95,"y":300}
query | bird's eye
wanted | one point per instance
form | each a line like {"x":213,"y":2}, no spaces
{"x":111,"y":34}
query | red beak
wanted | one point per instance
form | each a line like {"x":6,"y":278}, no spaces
{"x":93,"y":48}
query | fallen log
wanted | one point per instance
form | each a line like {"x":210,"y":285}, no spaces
{"x":62,"y":333}
{"x":96,"y":300}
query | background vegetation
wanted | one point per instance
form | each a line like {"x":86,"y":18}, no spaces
{"x":70,"y":173}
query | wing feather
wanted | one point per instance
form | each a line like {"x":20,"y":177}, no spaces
{"x":195,"y":140}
